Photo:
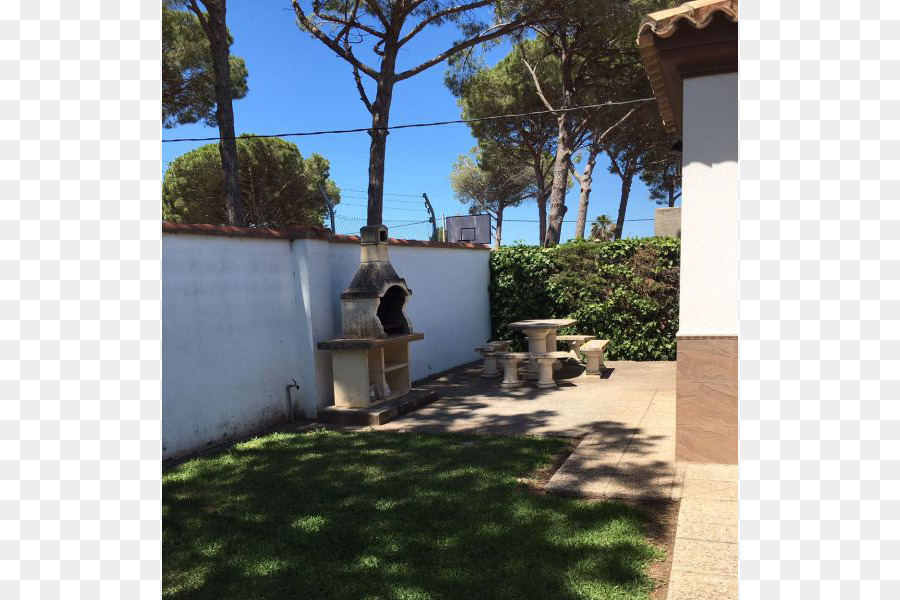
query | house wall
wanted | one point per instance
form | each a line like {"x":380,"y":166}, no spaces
{"x":707,"y":377}
{"x":709,"y":207}
{"x":242,"y":317}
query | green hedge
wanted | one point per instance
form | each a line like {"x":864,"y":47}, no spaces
{"x":625,"y":291}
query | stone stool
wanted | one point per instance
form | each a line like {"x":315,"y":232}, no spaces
{"x":545,"y":361}
{"x":510,"y":363}
{"x":593,"y":352}
{"x":487,"y":352}
{"x":575,"y":342}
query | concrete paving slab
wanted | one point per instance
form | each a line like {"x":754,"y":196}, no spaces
{"x":713,"y":472}
{"x":611,"y":406}
{"x":701,"y":510}
{"x":695,"y":586}
{"x":640,"y":488}
{"x":712,"y":532}
{"x":710,"y":490}
{"x":706,"y":557}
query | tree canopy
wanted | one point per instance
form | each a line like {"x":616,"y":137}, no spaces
{"x":603,"y":229}
{"x":188,"y":81}
{"x":488,"y":180}
{"x":278,"y":185}
{"x":383,"y":28}
{"x":582,"y":53}
{"x":506,"y":89}
{"x":660,"y":173}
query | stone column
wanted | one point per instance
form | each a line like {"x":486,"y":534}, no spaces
{"x":510,"y":372}
{"x":594,"y":363}
{"x":545,"y":377}
{"x":537,"y":344}
{"x":551,"y":347}
{"x":574,"y":349}
{"x":490,"y":364}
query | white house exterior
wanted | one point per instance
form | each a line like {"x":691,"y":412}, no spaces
{"x":690,"y":54}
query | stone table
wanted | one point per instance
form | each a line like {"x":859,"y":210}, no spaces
{"x":541,"y":334}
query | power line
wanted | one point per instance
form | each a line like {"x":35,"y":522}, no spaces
{"x":412,"y":125}
{"x":387,"y":194}
{"x":418,"y":210}
{"x":386,"y":200}
{"x":564,"y":221}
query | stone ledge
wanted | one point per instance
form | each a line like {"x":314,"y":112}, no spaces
{"x":378,"y":415}
{"x":368,"y":343}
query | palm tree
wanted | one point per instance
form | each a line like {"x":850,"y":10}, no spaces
{"x":603,"y":229}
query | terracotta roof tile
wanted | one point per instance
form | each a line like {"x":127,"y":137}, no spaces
{"x":697,"y":13}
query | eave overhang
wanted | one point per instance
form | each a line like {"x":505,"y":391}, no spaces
{"x":691,"y":40}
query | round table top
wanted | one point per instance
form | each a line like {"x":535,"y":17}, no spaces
{"x":542,"y":324}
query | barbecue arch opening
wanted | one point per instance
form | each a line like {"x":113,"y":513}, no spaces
{"x":390,"y":311}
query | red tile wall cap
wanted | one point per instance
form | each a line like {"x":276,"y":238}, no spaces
{"x":300,"y":233}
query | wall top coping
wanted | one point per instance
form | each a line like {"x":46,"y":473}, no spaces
{"x":302,"y":233}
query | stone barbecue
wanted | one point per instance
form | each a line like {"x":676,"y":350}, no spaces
{"x":372,"y":307}
{"x":370,"y":362}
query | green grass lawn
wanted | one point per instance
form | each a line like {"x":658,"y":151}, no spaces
{"x":394,"y":516}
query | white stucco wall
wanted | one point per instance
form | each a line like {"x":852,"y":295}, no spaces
{"x":232,"y":338}
{"x":709,"y":208}
{"x":241,"y":319}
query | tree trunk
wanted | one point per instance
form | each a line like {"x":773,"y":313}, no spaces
{"x":217,"y":34}
{"x":671,"y":194}
{"x":541,"y":199}
{"x":560,"y":178}
{"x":499,"y":235}
{"x":628,"y":175}
{"x":584,"y":198}
{"x":381,"y":110}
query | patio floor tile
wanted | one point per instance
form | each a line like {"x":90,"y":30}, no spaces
{"x":712,"y":532}
{"x":694,"y":586}
{"x":713,"y":472}
{"x":704,"y":556}
{"x":710,"y":490}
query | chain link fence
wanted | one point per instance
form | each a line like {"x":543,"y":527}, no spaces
{"x":405,"y":217}
{"x":397,"y":228}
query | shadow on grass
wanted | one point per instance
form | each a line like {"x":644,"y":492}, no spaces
{"x":387,"y":515}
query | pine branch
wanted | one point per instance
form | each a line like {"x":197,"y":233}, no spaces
{"x":440,"y":15}
{"x":331,"y":43}
{"x":537,"y":85}
{"x":487,"y":35}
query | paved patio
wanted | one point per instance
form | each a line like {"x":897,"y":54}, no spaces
{"x":627,"y":422}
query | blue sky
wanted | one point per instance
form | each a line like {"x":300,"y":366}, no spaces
{"x":297,"y":84}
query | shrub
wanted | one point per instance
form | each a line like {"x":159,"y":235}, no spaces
{"x":625,"y":291}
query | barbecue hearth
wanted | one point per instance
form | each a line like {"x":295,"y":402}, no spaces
{"x":372,"y":307}
{"x":370,"y":362}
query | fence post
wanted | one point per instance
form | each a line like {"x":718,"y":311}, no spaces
{"x":431,"y":217}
